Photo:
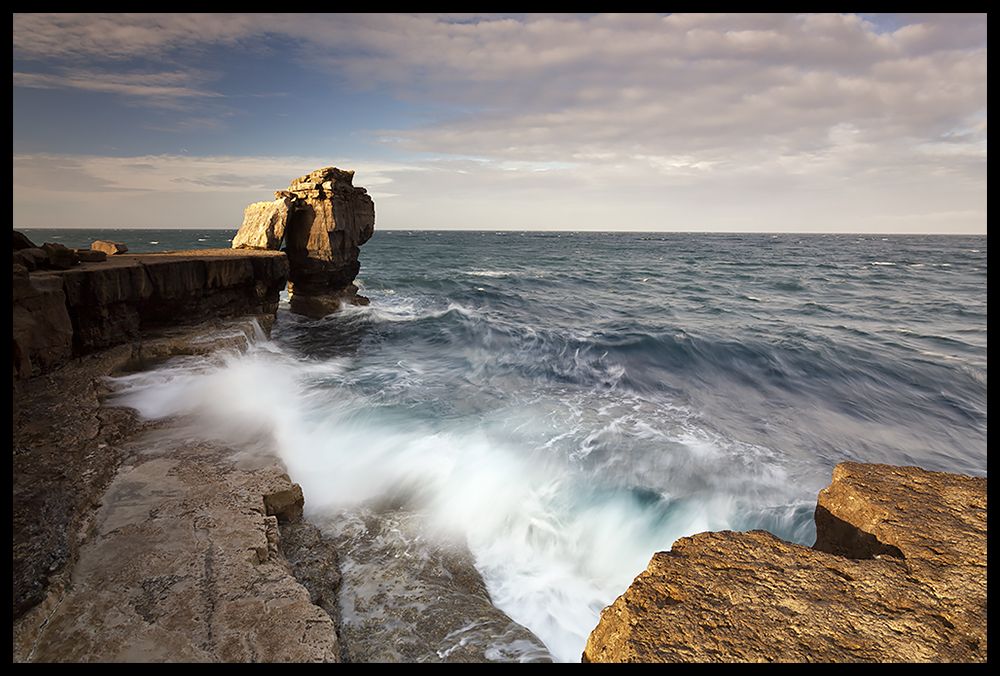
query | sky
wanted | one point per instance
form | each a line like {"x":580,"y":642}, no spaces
{"x":630,"y":122}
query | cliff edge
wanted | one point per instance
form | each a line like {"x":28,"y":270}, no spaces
{"x":127,"y":547}
{"x":140,"y":541}
{"x":897,"y":574}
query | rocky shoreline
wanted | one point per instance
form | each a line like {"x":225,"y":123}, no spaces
{"x":134,"y":542}
{"x":897,"y":574}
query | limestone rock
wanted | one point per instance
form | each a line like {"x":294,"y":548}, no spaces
{"x":22,"y":241}
{"x":264,"y":224}
{"x":175,"y":555}
{"x":42,"y":330}
{"x":417,"y":599}
{"x":32,"y":258}
{"x":184,"y":565}
{"x":324,"y":220}
{"x":67,"y":448}
{"x":109,"y":247}
{"x":109,"y":303}
{"x":898,"y":573}
{"x":90,"y":255}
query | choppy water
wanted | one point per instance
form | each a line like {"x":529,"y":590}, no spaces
{"x":573,"y":403}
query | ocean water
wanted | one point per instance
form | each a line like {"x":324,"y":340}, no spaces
{"x":571,"y":403}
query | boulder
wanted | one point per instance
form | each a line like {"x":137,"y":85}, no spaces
{"x":109,"y":247}
{"x":90,"y":255}
{"x":60,"y":257}
{"x":898,"y":573}
{"x":21,"y":241}
{"x":324,"y":220}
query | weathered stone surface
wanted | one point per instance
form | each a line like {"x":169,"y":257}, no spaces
{"x":31,"y":258}
{"x":60,"y":257}
{"x":109,"y":303}
{"x":417,"y":599}
{"x":264,"y":224}
{"x":141,"y":308}
{"x":43,"y":331}
{"x":21,"y":241}
{"x":109,"y":247}
{"x":907,"y":582}
{"x":184,"y":564}
{"x":90,"y":255}
{"x":324,"y":220}
{"x":67,"y":447}
{"x":181,"y":560}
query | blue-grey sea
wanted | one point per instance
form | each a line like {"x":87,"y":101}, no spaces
{"x":571,"y":403}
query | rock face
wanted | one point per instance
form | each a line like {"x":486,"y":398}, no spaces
{"x":93,"y":306}
{"x":323,"y":220}
{"x":898,"y":573}
{"x":73,"y":326}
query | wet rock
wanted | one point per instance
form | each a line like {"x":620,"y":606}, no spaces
{"x":413,"y":596}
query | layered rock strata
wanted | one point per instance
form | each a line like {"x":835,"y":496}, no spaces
{"x":71,"y":312}
{"x":897,"y":574}
{"x":323,"y":220}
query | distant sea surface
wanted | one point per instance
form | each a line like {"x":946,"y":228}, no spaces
{"x":571,"y":403}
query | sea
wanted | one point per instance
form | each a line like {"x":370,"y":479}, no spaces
{"x":571,"y":403}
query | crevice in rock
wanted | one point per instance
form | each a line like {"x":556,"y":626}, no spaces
{"x":836,"y":536}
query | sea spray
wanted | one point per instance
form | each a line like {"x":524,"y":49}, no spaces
{"x":561,"y":498}
{"x":569,"y":405}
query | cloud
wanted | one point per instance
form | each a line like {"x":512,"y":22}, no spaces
{"x":541,"y":88}
{"x":123,"y":36}
{"x":626,"y":107}
{"x":164,"y":89}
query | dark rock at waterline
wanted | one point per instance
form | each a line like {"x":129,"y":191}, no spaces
{"x":897,"y":574}
{"x":411,"y":595}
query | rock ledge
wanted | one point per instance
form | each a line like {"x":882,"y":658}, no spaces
{"x":897,"y":574}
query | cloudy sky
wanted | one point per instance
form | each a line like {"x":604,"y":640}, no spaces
{"x":800,"y":123}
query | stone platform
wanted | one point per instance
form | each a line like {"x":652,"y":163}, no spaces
{"x":897,"y":574}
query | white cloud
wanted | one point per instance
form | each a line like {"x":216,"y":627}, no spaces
{"x":626,"y":107}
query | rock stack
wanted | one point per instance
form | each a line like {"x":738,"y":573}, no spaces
{"x":323,"y":220}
